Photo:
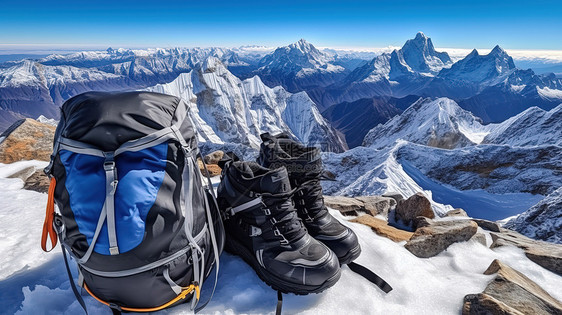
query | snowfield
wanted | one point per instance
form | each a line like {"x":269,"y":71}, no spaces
{"x":33,"y":282}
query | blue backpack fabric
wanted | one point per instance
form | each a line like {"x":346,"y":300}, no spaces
{"x":134,"y":210}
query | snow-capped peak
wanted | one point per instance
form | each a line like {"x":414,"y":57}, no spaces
{"x":439,"y":123}
{"x":420,"y":55}
{"x":481,"y":68}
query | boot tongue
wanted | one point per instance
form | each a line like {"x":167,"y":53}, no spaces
{"x":276,"y":182}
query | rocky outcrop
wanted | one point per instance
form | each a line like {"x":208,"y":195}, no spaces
{"x":456,"y":213}
{"x":431,"y":240}
{"x":27,"y":139}
{"x":545,"y":254}
{"x":415,"y":206}
{"x":511,"y":292}
{"x":382,"y":228}
{"x":487,"y":225}
{"x":373,"y":205}
{"x":38,"y":181}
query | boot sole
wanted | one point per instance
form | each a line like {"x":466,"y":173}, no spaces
{"x":234,"y":247}
{"x":350,"y":256}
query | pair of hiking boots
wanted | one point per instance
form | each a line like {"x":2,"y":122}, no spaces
{"x":276,"y":220}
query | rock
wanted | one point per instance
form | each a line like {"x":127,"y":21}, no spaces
{"x":480,"y":238}
{"x":547,"y":255}
{"x":214,"y":170}
{"x":429,"y":241}
{"x":38,"y":182}
{"x":394,"y":195}
{"x":372,"y":205}
{"x":214,"y":157}
{"x":346,"y":205}
{"x":420,"y":222}
{"x":478,"y":304}
{"x":382,"y":228}
{"x":487,"y":225}
{"x":511,"y":292}
{"x":375,"y":205}
{"x":27,"y":139}
{"x":24,"y":174}
{"x":417,"y":205}
{"x":456,"y":213}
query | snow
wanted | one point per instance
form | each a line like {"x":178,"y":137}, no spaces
{"x":477,"y":203}
{"x":33,"y":282}
{"x":430,"y":122}
{"x":226,"y":109}
{"x":549,"y":93}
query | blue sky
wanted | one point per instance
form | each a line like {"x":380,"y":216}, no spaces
{"x":456,"y":24}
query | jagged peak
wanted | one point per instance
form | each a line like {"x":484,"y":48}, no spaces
{"x":420,"y":35}
{"x":212,"y":64}
{"x":498,"y":51}
{"x":303,"y":46}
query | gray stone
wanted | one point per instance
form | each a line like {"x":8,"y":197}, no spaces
{"x":346,"y":205}
{"x":372,"y":205}
{"x":547,"y":255}
{"x":24,"y":173}
{"x":375,"y":205}
{"x":487,"y":225}
{"x":394,"y":195}
{"x":420,"y":222}
{"x":37,"y":182}
{"x":458,"y":212}
{"x":417,"y":205}
{"x":480,"y":238}
{"x":429,"y":241}
{"x":511,"y":292}
{"x":213,"y":157}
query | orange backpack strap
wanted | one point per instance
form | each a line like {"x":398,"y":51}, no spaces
{"x":48,"y":228}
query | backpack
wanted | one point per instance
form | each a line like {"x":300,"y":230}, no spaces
{"x":134,"y":213}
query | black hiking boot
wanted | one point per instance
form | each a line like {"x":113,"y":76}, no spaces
{"x":304,"y":165}
{"x":263,"y":228}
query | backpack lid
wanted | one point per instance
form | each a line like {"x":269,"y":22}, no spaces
{"x":109,"y":119}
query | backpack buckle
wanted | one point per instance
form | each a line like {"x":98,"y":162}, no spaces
{"x":109,"y":165}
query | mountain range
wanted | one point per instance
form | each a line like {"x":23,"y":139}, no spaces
{"x":476,"y":133}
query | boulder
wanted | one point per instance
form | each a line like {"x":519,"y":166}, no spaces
{"x":214,"y":157}
{"x":487,"y":225}
{"x":372,"y":205}
{"x":375,"y":205}
{"x":479,"y":238}
{"x":38,"y":182}
{"x":417,"y":205}
{"x":346,"y":205}
{"x":420,"y":222}
{"x":511,"y":292}
{"x":394,"y":195}
{"x":382,"y":228}
{"x":458,"y":212}
{"x":430,"y":240}
{"x":547,"y":255}
{"x":24,"y":174}
{"x":27,"y":139}
{"x":214,"y":170}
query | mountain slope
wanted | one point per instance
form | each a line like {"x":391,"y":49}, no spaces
{"x":438,"y":123}
{"x":226,"y":109}
{"x":355,"y":119}
{"x":543,"y":221}
{"x":532,"y":127}
{"x":298,"y":67}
